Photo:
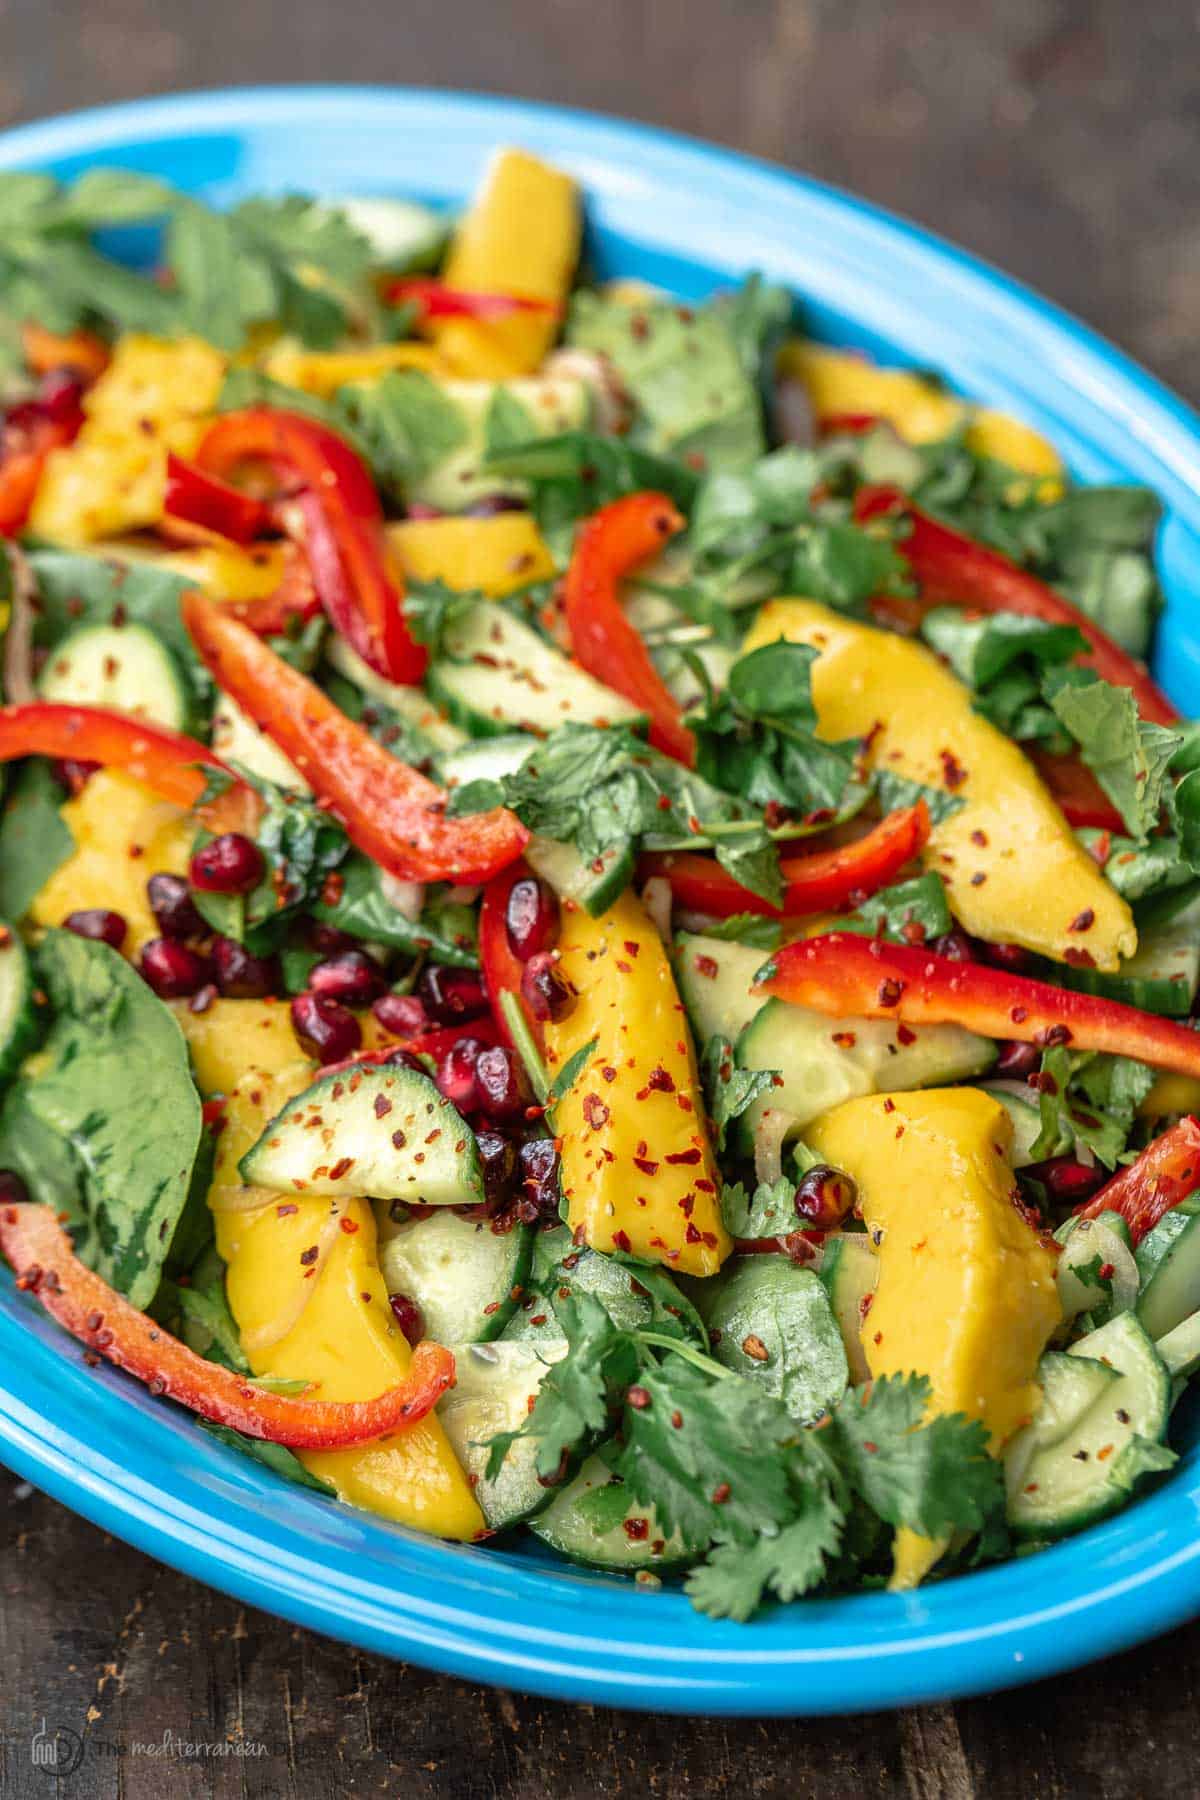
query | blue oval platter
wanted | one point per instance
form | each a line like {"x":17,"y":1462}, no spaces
{"x":688,"y":217}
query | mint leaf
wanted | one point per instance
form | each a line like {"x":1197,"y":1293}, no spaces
{"x":1129,"y":757}
{"x":896,"y":792}
{"x":913,"y":911}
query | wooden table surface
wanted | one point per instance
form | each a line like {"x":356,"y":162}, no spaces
{"x":1057,"y":139}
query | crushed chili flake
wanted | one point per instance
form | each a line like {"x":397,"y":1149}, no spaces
{"x":309,"y":1256}
{"x":646,"y":1165}
{"x":753,"y":1347}
{"x":953,"y":773}
{"x":721,"y":1493}
{"x":383,"y":1106}
{"x":683,"y":1156}
{"x":889,"y":992}
{"x":1083,"y":921}
{"x":349,"y":1226}
{"x":707,"y":966}
{"x":638,"y":1398}
{"x":595,"y":1111}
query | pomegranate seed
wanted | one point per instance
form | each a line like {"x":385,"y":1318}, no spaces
{"x":503,"y":1089}
{"x":545,"y":989}
{"x":60,"y":394}
{"x":173,"y":907}
{"x":13,"y":1191}
{"x":241,"y":976}
{"x":404,"y":1059}
{"x":327,"y":1032}
{"x":1010,"y":957}
{"x":330,"y":941}
{"x":956,"y":945}
{"x":451,"y":995}
{"x":1016,"y":1060}
{"x":98,"y":923}
{"x":539,"y":1162}
{"x":456,"y":1074}
{"x":498,"y":1156}
{"x":172,"y":970}
{"x":73,"y":774}
{"x":231,"y":864}
{"x":824,"y":1197}
{"x":352,"y":977}
{"x":408,"y":1317}
{"x":1066,"y":1180}
{"x":531,"y":918}
{"x":402,"y":1013}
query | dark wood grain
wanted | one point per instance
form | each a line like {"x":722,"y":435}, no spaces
{"x":1059,"y":140}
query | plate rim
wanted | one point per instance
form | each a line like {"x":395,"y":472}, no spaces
{"x":944,"y":1641}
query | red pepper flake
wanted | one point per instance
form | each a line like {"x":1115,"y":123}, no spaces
{"x":1019,"y":1014}
{"x":890,"y":992}
{"x":632,"y":948}
{"x":1107,"y":1271}
{"x":677,"y":1420}
{"x":341,"y":1167}
{"x":707,"y":966}
{"x":638,"y":1398}
{"x":1083,"y":921}
{"x":595,"y":1111}
{"x":645,"y":1164}
{"x":285,"y":1212}
{"x":309,"y":1256}
{"x":625,"y":968}
{"x":683,"y":1156}
{"x":980,"y":838}
{"x":754,"y":1348}
{"x":621,"y":1240}
{"x":978,"y":878}
{"x":953,"y":773}
{"x":383,"y":1106}
{"x":637,"y":1529}
{"x":349,"y":1226}
{"x":608,"y":1072}
{"x":332,"y":888}
{"x":691,"y":1235}
{"x":398,"y":1140}
{"x":683,"y":1103}
{"x":721,"y":1493}
{"x":905,"y":1035}
{"x":870,"y":1448}
{"x":845,"y":1040}
{"x":1052,"y":1036}
{"x":878,"y":1339}
{"x":1104,"y":1454}
{"x":658,"y":1081}
{"x":889,"y":1105}
{"x":1078,"y":957}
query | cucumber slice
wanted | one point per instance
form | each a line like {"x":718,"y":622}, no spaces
{"x":494,"y":1384}
{"x":824,"y":1061}
{"x":412,"y":704}
{"x":1022,"y":1108}
{"x":121,"y":668}
{"x":495,"y":674}
{"x":849,"y":1271}
{"x":385,"y":1132}
{"x":465,"y":1277}
{"x":237,"y":739}
{"x":635,"y":1296}
{"x":594,"y":886}
{"x":403,"y":235}
{"x":1168,"y":1262}
{"x":715,"y":979}
{"x":487,"y":759}
{"x":584,"y":1529}
{"x":1092,"y":1468}
{"x":18,"y":1016}
{"x":772,"y":1322}
{"x":1161,"y":977}
{"x":1180,"y":1349}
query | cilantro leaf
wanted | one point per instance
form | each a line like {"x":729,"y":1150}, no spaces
{"x":980,"y":649}
{"x":732,"y":1582}
{"x":728,"y":1090}
{"x":1088,"y":1099}
{"x":577,"y":1395}
{"x":574,"y":474}
{"x":933,"y":1478}
{"x":770,"y":1211}
{"x":1129,"y":757}
{"x":913,"y":911}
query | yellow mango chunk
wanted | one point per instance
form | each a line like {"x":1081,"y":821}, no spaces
{"x":966,"y":1292}
{"x":231,"y":1036}
{"x":1014,"y":871}
{"x":637,"y":1170}
{"x":345,"y":1338}
{"x":1171,"y":1094}
{"x":225,"y":571}
{"x":123,"y":835}
{"x":322,"y":372}
{"x":1018,"y":446}
{"x":520,"y":236}
{"x":154,"y":396}
{"x":840,"y":382}
{"x":490,"y":556}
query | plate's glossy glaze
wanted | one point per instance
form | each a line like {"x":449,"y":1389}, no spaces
{"x":686,"y":216}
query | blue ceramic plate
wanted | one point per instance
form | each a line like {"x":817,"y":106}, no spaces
{"x":685,"y":216}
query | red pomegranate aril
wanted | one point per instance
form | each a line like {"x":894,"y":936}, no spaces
{"x":1010,"y":957}
{"x":1016,"y":1061}
{"x":329,"y":940}
{"x":230,"y":864}
{"x":503,"y":1089}
{"x":172,"y":970}
{"x":327,"y":1032}
{"x":531,"y":918}
{"x":352,"y":977}
{"x":824,"y":1197}
{"x":956,"y":945}
{"x":408,"y":1317}
{"x":98,"y":923}
{"x":173,"y":907}
{"x":498,"y":1156}
{"x":451,"y":995}
{"x":545,"y":989}
{"x":456,"y":1074}
{"x":402,"y":1013}
{"x":539,"y":1162}
{"x":13,"y":1191}
{"x":1066,"y":1180}
{"x":241,"y":976}
{"x":60,"y":394}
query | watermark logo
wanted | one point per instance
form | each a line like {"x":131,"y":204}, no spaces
{"x":56,"y":1749}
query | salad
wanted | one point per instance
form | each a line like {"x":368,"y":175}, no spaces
{"x":600,"y":915}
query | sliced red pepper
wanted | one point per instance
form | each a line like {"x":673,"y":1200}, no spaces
{"x":502,"y":969}
{"x":199,"y":497}
{"x":391,"y":811}
{"x":1080,"y":798}
{"x":294,"y":602}
{"x":820,"y":881}
{"x":1166,"y":1172}
{"x":844,"y":974}
{"x":355,"y":575}
{"x":40,"y":1253}
{"x":608,"y":548}
{"x":835,"y":424}
{"x":427,"y":1043}
{"x":952,"y":569}
{"x":437,"y":301}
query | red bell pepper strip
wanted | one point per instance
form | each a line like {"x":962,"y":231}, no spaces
{"x":1079,"y":796}
{"x":502,"y":970}
{"x":355,"y":576}
{"x":858,"y":424}
{"x":608,"y":548}
{"x":820,"y":881}
{"x":201,"y":499}
{"x":953,"y":569}
{"x":437,"y":301}
{"x":40,"y":1254}
{"x":172,"y":765}
{"x":294,"y":602}
{"x":390,"y":811}
{"x":844,"y":974}
{"x":1166,"y":1172}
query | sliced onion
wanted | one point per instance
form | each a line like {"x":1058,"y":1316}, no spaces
{"x":238,"y":1199}
{"x":408,"y":897}
{"x":656,"y":898}
{"x":770,"y":1135}
{"x":1088,"y":1239}
{"x":265,"y":1337}
{"x":18,"y":639}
